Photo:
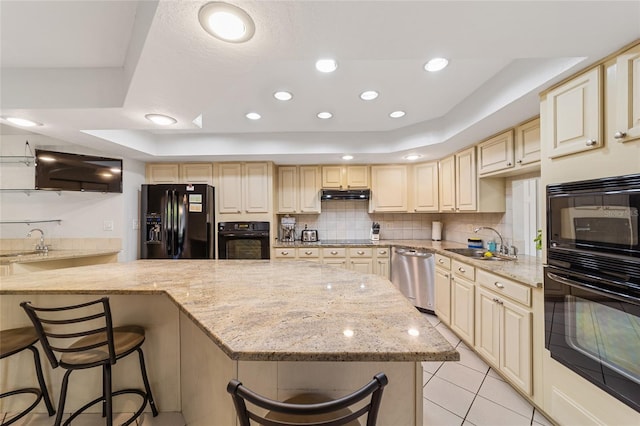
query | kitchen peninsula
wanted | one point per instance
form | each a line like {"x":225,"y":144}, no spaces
{"x":280,"y":327}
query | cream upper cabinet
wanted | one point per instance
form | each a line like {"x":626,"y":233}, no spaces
{"x":447,"y":184}
{"x":574,"y":115}
{"x":527,"y":143}
{"x":389,"y":188}
{"x":244,"y":188}
{"x":425,"y":187}
{"x":158,"y":173}
{"x":496,"y":153}
{"x":627,"y":119}
{"x":466,"y":180}
{"x":201,"y":173}
{"x":344,"y":177}
{"x":298,"y":189}
{"x":309,"y":189}
{"x":170,"y":173}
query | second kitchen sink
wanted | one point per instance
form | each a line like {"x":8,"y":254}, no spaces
{"x":479,"y":254}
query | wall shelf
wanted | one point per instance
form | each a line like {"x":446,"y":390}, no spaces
{"x":28,"y":191}
{"x":29,"y":222}
{"x":17,"y":159}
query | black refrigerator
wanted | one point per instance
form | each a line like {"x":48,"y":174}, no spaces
{"x":177,"y":222}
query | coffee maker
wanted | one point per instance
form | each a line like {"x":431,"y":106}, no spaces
{"x":288,"y":229}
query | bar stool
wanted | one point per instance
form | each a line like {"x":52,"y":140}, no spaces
{"x":308,"y":409}
{"x":98,"y":344}
{"x":12,"y":342}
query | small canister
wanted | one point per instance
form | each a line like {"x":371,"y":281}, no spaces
{"x":491,"y":246}
{"x":474,"y":243}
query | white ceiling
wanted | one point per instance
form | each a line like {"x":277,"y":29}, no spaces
{"x":90,"y":71}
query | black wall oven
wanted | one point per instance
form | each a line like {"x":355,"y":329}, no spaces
{"x":592,"y":282}
{"x":243,"y":240}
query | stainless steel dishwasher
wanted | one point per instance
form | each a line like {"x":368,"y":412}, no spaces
{"x":413,"y":272}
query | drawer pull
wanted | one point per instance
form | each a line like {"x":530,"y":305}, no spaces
{"x":591,"y":142}
{"x":284,"y":253}
{"x":333,"y":252}
{"x":360,"y":252}
{"x":440,"y":261}
{"x":308,"y":253}
{"x":382,"y":252}
{"x":461,"y":269}
{"x":498,"y":284}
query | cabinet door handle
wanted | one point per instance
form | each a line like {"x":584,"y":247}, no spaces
{"x":446,"y":275}
{"x":461,"y":269}
{"x":308,"y":253}
{"x":519,"y":161}
{"x":591,"y":142}
{"x":498,"y":284}
{"x":620,"y":134}
{"x":509,"y":164}
{"x":334,"y":252}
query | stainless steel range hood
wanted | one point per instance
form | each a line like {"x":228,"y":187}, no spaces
{"x":345,"y":194}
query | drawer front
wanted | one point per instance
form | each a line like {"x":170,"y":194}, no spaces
{"x":521,"y":293}
{"x":382,"y":252}
{"x":443,"y":262}
{"x":308,"y":252}
{"x":355,"y":252}
{"x":282,"y":253}
{"x":330,"y":252}
{"x":463,"y":270}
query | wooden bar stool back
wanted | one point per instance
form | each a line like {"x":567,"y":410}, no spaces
{"x":96,"y":343}
{"x":14,"y":341}
{"x":307,"y":410}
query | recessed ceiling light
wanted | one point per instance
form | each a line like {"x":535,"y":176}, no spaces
{"x":436,"y":64}
{"x":22,"y":122}
{"x":347,"y":157}
{"x":253,"y":116}
{"x":283,"y":96}
{"x":397,"y":114}
{"x":226,"y":22}
{"x":324,"y":115}
{"x":161,"y":119}
{"x":412,"y":157}
{"x":368,"y":95}
{"x":326,"y":65}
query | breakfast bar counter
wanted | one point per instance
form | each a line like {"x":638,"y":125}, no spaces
{"x":280,"y":327}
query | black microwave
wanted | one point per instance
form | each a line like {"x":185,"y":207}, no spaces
{"x":598,"y":216}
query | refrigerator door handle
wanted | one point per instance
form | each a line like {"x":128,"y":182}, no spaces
{"x":168,"y":221}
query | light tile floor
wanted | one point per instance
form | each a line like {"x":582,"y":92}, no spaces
{"x":463,"y":393}
{"x":470,"y":393}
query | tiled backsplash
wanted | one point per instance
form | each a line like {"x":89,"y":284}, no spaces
{"x":347,"y":220}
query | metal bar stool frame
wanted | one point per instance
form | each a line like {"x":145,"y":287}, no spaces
{"x":86,"y":344}
{"x":240,"y":393}
{"x":40,"y":393}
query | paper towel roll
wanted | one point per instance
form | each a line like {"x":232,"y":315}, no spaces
{"x":436,"y":231}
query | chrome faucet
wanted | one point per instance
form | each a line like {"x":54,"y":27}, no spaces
{"x":41,"y":246}
{"x":503,"y":249}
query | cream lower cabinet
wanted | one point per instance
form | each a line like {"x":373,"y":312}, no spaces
{"x":368,"y":260}
{"x":462,"y":301}
{"x":311,"y":254}
{"x":335,"y":256}
{"x":361,"y":260}
{"x":381,"y":264}
{"x":442,"y":289}
{"x":504,"y":328}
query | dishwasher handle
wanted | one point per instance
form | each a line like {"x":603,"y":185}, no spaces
{"x":412,"y":252}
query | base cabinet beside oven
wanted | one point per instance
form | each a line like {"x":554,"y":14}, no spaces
{"x":504,"y":328}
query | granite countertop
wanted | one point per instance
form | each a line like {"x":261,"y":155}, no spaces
{"x":262,"y":310}
{"x":525,"y":269}
{"x":13,"y":256}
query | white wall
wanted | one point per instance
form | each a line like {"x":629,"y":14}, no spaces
{"x":81,"y":214}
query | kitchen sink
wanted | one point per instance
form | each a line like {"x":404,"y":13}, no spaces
{"x":479,"y":254}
